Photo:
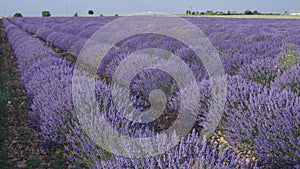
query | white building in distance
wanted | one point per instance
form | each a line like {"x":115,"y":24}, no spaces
{"x":293,"y":12}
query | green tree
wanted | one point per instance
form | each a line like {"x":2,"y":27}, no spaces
{"x":76,"y":14}
{"x":222,"y":13}
{"x":188,"y":12}
{"x":18,"y":15}
{"x":91,"y":12}
{"x":256,"y":12}
{"x":209,"y":12}
{"x":248,"y":12}
{"x":46,"y":13}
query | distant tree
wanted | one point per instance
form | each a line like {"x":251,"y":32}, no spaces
{"x":91,"y":12}
{"x":193,"y":13}
{"x":256,"y":12}
{"x":221,"y":13}
{"x":202,"y":13}
{"x":101,"y":15}
{"x":248,"y":12}
{"x":46,"y":13}
{"x":116,"y":15}
{"x":18,"y":15}
{"x":217,"y":13}
{"x":76,"y":14}
{"x":188,"y":12}
{"x":228,"y":12}
{"x":209,"y":12}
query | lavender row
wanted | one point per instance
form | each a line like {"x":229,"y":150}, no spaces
{"x":239,"y":41}
{"x":66,"y":34}
{"x":47,"y":81}
{"x":82,"y":26}
{"x":66,"y":42}
{"x":248,"y":124}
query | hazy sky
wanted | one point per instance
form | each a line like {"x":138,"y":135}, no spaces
{"x":69,"y":7}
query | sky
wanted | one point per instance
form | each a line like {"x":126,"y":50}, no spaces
{"x":69,"y":7}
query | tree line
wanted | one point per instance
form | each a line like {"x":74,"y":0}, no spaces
{"x":210,"y":12}
{"x":188,"y":12}
{"x":48,"y":14}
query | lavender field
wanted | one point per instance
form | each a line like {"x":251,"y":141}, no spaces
{"x":260,"y":123}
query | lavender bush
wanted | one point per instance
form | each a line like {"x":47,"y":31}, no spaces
{"x":289,"y":80}
{"x":262,"y":71}
{"x":264,"y":120}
